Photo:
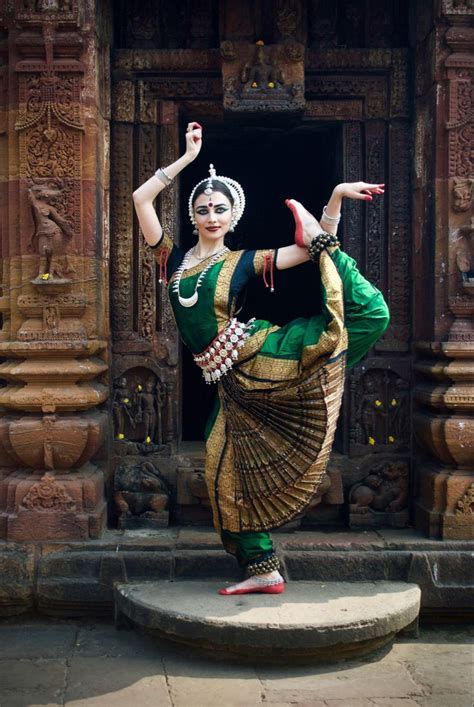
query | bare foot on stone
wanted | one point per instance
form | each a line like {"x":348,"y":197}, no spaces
{"x":269,"y":583}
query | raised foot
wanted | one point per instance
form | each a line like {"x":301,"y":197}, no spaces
{"x":306,"y":226}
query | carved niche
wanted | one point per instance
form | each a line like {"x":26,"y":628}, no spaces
{"x":380,"y":409}
{"x":139,"y":408}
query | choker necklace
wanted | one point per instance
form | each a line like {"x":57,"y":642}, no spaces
{"x":199,"y":257}
{"x":191,"y":301}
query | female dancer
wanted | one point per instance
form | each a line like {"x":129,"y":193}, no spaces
{"x":279,"y":389}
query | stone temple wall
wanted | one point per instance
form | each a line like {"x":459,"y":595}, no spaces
{"x":90,"y":412}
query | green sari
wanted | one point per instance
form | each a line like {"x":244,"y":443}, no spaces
{"x":269,"y":437}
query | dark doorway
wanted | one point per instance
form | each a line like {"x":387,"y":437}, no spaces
{"x":272,"y":164}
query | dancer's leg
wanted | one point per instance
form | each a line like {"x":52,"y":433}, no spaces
{"x":255,"y":552}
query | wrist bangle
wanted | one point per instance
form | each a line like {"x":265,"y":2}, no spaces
{"x":330,"y":219}
{"x":163,"y":177}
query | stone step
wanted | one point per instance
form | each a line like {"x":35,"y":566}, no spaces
{"x":311,"y":621}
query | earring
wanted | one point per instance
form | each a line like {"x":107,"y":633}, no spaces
{"x":195,"y":231}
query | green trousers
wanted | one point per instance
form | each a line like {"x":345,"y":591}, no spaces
{"x":249,"y":544}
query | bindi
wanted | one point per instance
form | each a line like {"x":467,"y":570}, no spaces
{"x":210,"y":204}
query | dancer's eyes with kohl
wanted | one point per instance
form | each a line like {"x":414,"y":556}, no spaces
{"x":219,"y":209}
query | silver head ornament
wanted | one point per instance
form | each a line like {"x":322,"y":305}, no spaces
{"x":234,"y":188}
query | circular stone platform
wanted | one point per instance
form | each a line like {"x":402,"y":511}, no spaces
{"x":311,"y":620}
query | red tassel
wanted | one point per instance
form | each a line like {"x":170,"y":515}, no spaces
{"x":268,"y":263}
{"x":163,"y":263}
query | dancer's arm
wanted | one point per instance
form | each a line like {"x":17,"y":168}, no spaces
{"x":144,"y":196}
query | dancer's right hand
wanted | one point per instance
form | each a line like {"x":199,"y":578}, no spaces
{"x":193,"y":140}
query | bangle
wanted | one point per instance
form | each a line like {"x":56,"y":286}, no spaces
{"x":163,"y":177}
{"x":330,"y":219}
{"x":320,"y":242}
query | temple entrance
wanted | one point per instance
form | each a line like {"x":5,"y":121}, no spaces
{"x":272,"y":164}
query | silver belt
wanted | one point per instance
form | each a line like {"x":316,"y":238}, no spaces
{"x":223,"y":351}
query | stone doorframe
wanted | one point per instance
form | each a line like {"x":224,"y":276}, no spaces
{"x":367,"y":91}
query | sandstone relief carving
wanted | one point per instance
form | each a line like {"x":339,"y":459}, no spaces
{"x":142,"y":496}
{"x":138,"y":410}
{"x":381,"y":409}
{"x":48,"y":495}
{"x":381,"y":498}
{"x":465,"y":505}
{"x":52,"y":233}
{"x":462,"y":193}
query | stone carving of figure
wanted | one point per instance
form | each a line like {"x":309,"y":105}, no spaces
{"x":382,"y":409}
{"x":462,"y":193}
{"x":370,"y":413}
{"x":262,"y":73}
{"x":121,"y":408}
{"x":147,"y":411}
{"x":51,"y":229}
{"x":384,"y":489}
{"x":141,"y":494}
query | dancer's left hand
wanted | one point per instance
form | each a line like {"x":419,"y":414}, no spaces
{"x":359,"y":190}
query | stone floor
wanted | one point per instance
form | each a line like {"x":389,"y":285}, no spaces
{"x":43,"y":662}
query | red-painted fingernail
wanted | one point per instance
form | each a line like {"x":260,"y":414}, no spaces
{"x":196,"y":125}
{"x":368,"y":198}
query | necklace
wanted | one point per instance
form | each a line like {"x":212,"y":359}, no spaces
{"x":191,"y":301}
{"x":199,"y":257}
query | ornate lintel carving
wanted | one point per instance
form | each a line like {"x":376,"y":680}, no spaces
{"x":166,"y":60}
{"x":34,"y":11}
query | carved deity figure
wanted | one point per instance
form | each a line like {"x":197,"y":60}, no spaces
{"x":149,"y":404}
{"x":384,"y":489}
{"x":263,"y":73}
{"x":121,"y":408}
{"x":52,"y":232}
{"x":462,"y":193}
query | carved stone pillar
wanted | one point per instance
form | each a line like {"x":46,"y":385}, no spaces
{"x":444,"y":422}
{"x":54,"y":273}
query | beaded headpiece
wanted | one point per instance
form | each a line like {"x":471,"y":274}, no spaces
{"x":234,"y":188}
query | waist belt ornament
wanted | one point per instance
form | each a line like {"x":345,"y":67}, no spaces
{"x":223,"y":352}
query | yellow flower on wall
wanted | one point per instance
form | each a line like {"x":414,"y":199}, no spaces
{"x":393,"y":402}
{"x":45,"y":276}
{"x":120,"y":436}
{"x":378,"y":403}
{"x":371,"y":440}
{"x":391,"y":439}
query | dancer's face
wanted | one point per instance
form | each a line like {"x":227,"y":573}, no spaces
{"x":213,"y":214}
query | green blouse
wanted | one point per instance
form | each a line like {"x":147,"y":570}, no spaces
{"x":366,"y":314}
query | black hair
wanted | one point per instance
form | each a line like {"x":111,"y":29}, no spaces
{"x":216,"y":186}
{"x":231,"y":240}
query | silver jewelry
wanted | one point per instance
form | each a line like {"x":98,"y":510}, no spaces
{"x":330,"y":219}
{"x":199,"y":257}
{"x":191,"y":301}
{"x":223,"y":351}
{"x":234,"y":188}
{"x":163,"y":176}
